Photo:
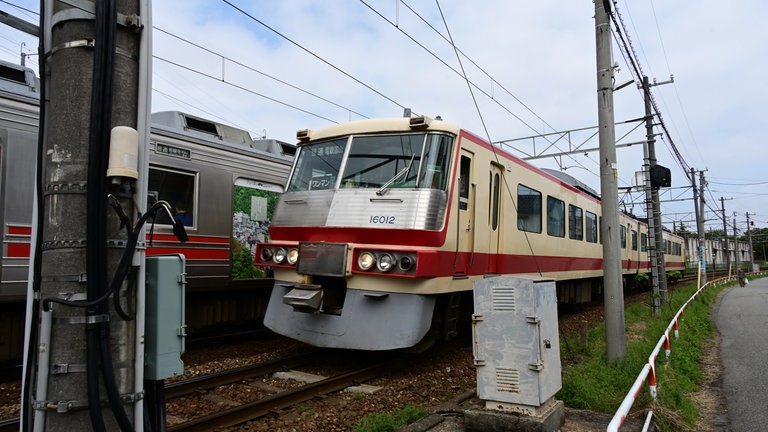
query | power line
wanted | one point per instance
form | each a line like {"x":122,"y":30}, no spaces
{"x":252,"y":69}
{"x":312,"y":53}
{"x":467,"y":80}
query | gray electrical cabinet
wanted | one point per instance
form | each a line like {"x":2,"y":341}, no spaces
{"x":164,"y":331}
{"x":516,"y":341}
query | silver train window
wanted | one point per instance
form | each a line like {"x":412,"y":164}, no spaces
{"x":176,"y":187}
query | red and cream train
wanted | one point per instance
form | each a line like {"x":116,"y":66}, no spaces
{"x":385,"y":224}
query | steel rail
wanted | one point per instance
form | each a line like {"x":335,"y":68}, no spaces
{"x":261,"y":407}
{"x":191,"y":385}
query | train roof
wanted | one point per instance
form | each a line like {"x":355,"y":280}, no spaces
{"x":569,"y":179}
{"x":394,"y":124}
{"x":189,"y":125}
{"x":19,"y":81}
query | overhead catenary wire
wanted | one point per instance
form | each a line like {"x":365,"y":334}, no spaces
{"x":480,"y":114}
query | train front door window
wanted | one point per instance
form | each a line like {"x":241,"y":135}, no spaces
{"x":179,"y":189}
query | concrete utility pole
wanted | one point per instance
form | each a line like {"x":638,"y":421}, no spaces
{"x":726,"y":254}
{"x":615,"y":327}
{"x":735,"y":241}
{"x":699,"y":208}
{"x":653,"y":209}
{"x":87,"y":374}
{"x":751,"y":250}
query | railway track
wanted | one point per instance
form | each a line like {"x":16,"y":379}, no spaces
{"x":262,"y":406}
{"x":288,"y":398}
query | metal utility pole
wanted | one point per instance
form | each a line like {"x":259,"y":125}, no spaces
{"x":615,"y":327}
{"x":653,"y":209}
{"x":94,"y":66}
{"x":699,"y":207}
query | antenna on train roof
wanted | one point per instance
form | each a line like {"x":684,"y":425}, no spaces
{"x":406,"y":112}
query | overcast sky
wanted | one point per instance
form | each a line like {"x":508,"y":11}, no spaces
{"x":274,"y":67}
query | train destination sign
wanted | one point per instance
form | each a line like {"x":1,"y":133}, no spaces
{"x":172,"y":151}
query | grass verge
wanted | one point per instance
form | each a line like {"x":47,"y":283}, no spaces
{"x":590,"y":382}
{"x":390,"y":421}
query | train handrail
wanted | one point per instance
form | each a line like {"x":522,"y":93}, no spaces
{"x":649,"y":369}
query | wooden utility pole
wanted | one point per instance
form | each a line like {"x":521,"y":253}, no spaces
{"x":615,"y":327}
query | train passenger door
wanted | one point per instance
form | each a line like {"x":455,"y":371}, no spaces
{"x":465,"y":226}
{"x":495,"y":187}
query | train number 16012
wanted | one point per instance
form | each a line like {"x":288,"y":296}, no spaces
{"x":382,"y":220}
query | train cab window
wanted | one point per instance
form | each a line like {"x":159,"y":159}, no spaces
{"x":623,"y":237}
{"x":575,"y":222}
{"x":634,"y":240}
{"x":591,"y":227}
{"x":555,"y":217}
{"x":317,"y":166}
{"x":643,"y":242}
{"x":178,"y":188}
{"x":528,"y":209}
{"x":379,"y":161}
{"x":437,"y":155}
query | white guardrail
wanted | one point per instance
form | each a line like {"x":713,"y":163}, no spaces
{"x":649,"y":369}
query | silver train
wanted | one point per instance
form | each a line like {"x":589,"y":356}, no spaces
{"x":227,"y":182}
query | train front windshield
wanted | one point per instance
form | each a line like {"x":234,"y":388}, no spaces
{"x":374,"y":161}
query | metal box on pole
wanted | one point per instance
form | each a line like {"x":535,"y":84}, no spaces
{"x":165,"y":326}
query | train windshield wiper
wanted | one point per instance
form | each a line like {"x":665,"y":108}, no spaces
{"x":403,"y":173}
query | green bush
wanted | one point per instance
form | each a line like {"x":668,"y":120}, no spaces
{"x":242,"y":263}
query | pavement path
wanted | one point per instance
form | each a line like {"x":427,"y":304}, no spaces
{"x":742,"y":319}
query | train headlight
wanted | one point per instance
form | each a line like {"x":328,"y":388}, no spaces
{"x":406,"y":263}
{"x":365,"y":261}
{"x":279,"y":255}
{"x":386,"y":262}
{"x":293,"y":256}
{"x":266,"y":254}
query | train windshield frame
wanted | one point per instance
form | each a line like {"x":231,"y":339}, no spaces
{"x":408,"y":160}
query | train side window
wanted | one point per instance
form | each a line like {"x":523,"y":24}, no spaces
{"x":179,"y":188}
{"x":600,"y":230}
{"x":623,"y":237}
{"x":634,"y":240}
{"x":528,"y":209}
{"x":643,"y":242}
{"x":591,"y":227}
{"x":575,"y":222}
{"x":555,"y":217}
